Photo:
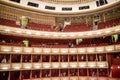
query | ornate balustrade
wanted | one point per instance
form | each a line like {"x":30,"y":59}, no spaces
{"x":76,"y":78}
{"x":58,"y":35}
{"x":52,"y":65}
{"x":33,"y":50}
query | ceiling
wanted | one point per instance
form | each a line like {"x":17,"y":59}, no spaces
{"x":67,"y":1}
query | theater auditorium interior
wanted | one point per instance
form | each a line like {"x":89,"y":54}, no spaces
{"x":59,"y":39}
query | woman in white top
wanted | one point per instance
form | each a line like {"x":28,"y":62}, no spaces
{"x":4,"y":60}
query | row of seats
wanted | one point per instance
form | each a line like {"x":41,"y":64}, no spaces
{"x":116,"y":61}
{"x":115,"y":71}
{"x":41,"y":27}
{"x":54,"y":46}
{"x":17,"y":58}
{"x":27,"y":74}
{"x":102,"y":41}
{"x":77,"y":27}
{"x":33,"y":26}
{"x":67,"y":28}
{"x":88,"y":27}
{"x":109,"y":23}
{"x":7,"y":22}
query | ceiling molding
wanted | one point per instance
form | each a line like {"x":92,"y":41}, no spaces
{"x":60,"y":14}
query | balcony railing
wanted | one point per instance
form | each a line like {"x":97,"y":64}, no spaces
{"x":34,"y":50}
{"x":55,"y":35}
{"x":76,"y":78}
{"x":52,"y":65}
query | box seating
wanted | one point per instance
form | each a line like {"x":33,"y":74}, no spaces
{"x":77,"y":27}
{"x":56,"y":44}
{"x":109,"y":23}
{"x":7,"y":22}
{"x":115,"y":71}
{"x":67,"y":28}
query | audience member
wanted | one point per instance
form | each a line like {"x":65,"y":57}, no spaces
{"x":4,"y":60}
{"x":26,"y":43}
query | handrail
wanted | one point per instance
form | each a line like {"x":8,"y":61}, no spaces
{"x":52,"y":65}
{"x":6,"y":30}
{"x":59,"y":51}
{"x":76,"y":78}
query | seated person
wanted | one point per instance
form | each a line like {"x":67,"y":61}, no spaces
{"x":26,"y":43}
{"x":4,"y":60}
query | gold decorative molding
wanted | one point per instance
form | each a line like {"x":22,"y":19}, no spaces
{"x":64,"y":2}
{"x":59,"y":51}
{"x":59,"y":14}
{"x":54,"y":65}
{"x":6,"y":30}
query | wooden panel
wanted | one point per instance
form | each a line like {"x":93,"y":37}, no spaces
{"x":99,"y":49}
{"x":63,"y":51}
{"x":16,"y":66}
{"x":27,"y":65}
{"x":103,"y":64}
{"x":92,"y":64}
{"x":5,"y":66}
{"x":82,"y":64}
{"x":102,"y":78}
{"x":36,"y":79}
{"x":55,"y":50}
{"x":113,"y":79}
{"x":73,"y":78}
{"x":109,"y":48}
{"x":37,"y":50}
{"x":17,"y":49}
{"x":72,"y":50}
{"x":27,"y":50}
{"x":46,"y":65}
{"x":56,"y":78}
{"x":36,"y":65}
{"x":117,"y":47}
{"x":73,"y":64}
{"x":90,"y":50}
{"x":46,"y":79}
{"x":64,"y":78}
{"x":46,"y":50}
{"x":81,"y":50}
{"x":83,"y":78}
{"x":92,"y":78}
{"x":6,"y":48}
{"x":64,"y":64}
{"x":55,"y":65}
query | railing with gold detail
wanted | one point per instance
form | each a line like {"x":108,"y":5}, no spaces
{"x":67,"y":1}
{"x":34,"y":50}
{"x":5,"y":30}
{"x":52,"y":65}
{"x":76,"y":78}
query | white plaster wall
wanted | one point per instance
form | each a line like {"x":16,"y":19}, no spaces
{"x":75,"y":8}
